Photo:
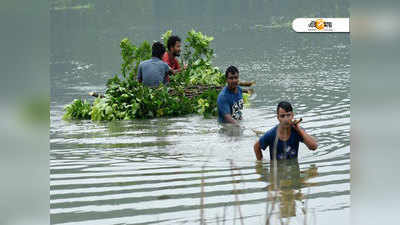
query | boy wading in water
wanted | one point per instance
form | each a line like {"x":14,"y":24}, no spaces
{"x":230,"y":99}
{"x":286,"y":135}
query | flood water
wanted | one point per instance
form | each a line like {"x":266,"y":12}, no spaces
{"x":189,"y":170}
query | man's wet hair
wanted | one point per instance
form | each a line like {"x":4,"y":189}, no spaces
{"x":285,"y":106}
{"x":157,"y":50}
{"x":231,"y":70}
{"x":172,"y":41}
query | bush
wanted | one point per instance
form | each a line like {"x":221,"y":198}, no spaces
{"x":127,"y":99}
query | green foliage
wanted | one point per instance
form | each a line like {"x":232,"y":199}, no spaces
{"x":246,"y":99}
{"x":132,"y":56}
{"x":198,"y":54}
{"x":204,"y":74}
{"x":127,"y":99}
{"x":165,"y":37}
{"x":197,"y":48}
{"x":138,"y":101}
{"x":78,"y":109}
{"x":207,"y":103}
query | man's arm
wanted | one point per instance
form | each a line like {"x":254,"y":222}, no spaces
{"x":224,"y":109}
{"x":257,"y":150}
{"x":140,"y":75}
{"x":175,"y":71}
{"x":168,"y":72}
{"x":308,"y":140}
{"x":179,"y":70}
{"x":228,"y":118}
{"x":172,"y":71}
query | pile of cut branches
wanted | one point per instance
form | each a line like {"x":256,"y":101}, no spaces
{"x":194,"y":90}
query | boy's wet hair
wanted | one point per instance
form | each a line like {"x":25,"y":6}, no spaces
{"x":157,"y":50}
{"x":285,"y":106}
{"x":231,"y":70}
{"x":172,"y":41}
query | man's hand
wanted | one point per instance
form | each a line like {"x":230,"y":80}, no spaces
{"x":296,"y":124}
{"x":228,"y":118}
{"x":307,"y":139}
{"x":257,"y":151}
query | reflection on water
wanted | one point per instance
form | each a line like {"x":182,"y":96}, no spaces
{"x":231,"y":130}
{"x":285,"y":182}
{"x":189,"y":169}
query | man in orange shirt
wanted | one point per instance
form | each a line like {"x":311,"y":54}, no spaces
{"x":174,"y":50}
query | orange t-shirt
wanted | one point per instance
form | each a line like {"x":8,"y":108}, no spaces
{"x":171,"y":61}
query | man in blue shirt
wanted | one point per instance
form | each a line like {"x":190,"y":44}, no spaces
{"x":286,"y":136}
{"x":154,"y":71}
{"x":230,"y":100}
